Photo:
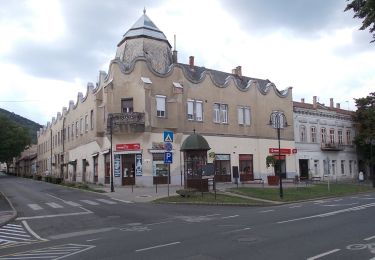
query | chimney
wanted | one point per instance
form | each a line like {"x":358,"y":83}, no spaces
{"x":331,"y":102}
{"x":191,"y":62}
{"x":315,"y":105}
{"x":234,"y":71}
{"x":302,"y":100}
{"x":174,"y":56}
{"x":239,"y":70}
{"x":338,"y":105}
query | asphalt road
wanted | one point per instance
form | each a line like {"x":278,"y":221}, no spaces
{"x":55,"y":222}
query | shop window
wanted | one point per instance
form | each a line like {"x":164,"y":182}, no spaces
{"x":158,"y":166}
{"x":246,"y":164}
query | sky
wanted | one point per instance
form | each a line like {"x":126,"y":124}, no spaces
{"x":50,"y":50}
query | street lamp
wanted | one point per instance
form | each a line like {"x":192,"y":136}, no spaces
{"x":278,"y":121}
{"x":111,"y":132}
{"x":371,"y":142}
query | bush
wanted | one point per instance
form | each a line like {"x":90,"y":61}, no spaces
{"x":186,"y":192}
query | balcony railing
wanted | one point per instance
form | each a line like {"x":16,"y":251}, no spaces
{"x":331,"y":147}
{"x":125,"y":120}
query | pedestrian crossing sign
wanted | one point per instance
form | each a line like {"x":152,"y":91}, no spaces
{"x":168,"y":136}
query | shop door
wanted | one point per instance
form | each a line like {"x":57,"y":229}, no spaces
{"x":128,"y":169}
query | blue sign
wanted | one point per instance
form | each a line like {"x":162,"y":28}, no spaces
{"x":168,"y":136}
{"x":168,"y":147}
{"x":168,"y":157}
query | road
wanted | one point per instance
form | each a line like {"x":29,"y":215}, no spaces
{"x":56,"y":222}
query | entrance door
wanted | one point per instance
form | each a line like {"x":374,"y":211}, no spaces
{"x":128,"y":169}
{"x":304,"y":168}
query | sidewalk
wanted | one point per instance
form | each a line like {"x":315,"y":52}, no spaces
{"x":7,"y":211}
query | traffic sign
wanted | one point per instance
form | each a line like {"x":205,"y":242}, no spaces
{"x":168,"y":146}
{"x":168,"y":157}
{"x":168,"y":136}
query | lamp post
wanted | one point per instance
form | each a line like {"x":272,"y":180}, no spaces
{"x":278,"y":121}
{"x":371,"y":142}
{"x":111,"y":130}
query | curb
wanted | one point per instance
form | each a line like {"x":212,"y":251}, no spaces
{"x":13,"y":213}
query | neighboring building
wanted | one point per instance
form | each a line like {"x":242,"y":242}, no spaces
{"x":145,"y":92}
{"x":25,"y":165}
{"x":324,"y":140}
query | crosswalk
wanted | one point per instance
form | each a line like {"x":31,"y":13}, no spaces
{"x":15,"y":234}
{"x":65,"y":203}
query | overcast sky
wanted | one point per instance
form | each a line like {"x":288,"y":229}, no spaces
{"x":50,"y":49}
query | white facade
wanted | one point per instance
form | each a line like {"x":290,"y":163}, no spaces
{"x":324,"y":141}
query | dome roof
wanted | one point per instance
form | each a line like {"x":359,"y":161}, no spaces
{"x":195,"y":142}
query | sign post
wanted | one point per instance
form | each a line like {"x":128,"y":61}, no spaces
{"x":168,"y":155}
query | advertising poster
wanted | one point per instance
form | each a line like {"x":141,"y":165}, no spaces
{"x":138,"y":164}
{"x":117,"y":165}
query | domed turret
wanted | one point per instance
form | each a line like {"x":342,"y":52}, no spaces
{"x":144,"y":39}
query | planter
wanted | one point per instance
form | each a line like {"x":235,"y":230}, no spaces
{"x":222,"y":178}
{"x":160,"y":179}
{"x":273,"y":180}
{"x":246,"y":177}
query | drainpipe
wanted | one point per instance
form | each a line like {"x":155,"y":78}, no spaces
{"x":51,"y":151}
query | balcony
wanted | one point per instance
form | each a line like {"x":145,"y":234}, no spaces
{"x":126,"y":122}
{"x":331,"y":147}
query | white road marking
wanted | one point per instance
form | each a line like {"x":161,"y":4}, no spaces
{"x":324,"y":254}
{"x":90,"y":202}
{"x":107,"y":201}
{"x":328,"y":214}
{"x":265,"y":211}
{"x":295,"y":206}
{"x":34,"y":206}
{"x":234,"y":216}
{"x":125,"y":201}
{"x":158,"y":246}
{"x":54,"y":205}
{"x":31,"y":231}
{"x":71,"y":203}
{"x":13,"y":234}
{"x":56,"y":215}
{"x":369,"y":238}
{"x":81,"y":233}
{"x":337,"y":205}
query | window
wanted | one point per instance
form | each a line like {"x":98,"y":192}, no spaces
{"x":72,"y":131}
{"x":246,"y":164}
{"x":86,"y":123}
{"x":76,"y":128}
{"x":195,"y":110}
{"x":160,"y":106}
{"x":302,"y":133}
{"x":68,"y":133}
{"x":313,"y":134}
{"x":92,"y":119}
{"x":333,"y":167}
{"x":339,"y":134}
{"x":350,"y":167}
{"x":323,"y":135}
{"x":58,"y":138}
{"x":332,"y":136}
{"x":348,"y":138}
{"x":243,"y":114}
{"x":342,"y":167}
{"x":81,"y":125}
{"x":220,"y":113}
{"x":316,"y":167}
{"x":127,"y":105}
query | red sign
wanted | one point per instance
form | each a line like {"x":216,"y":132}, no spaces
{"x":282,"y":150}
{"x":127,"y":147}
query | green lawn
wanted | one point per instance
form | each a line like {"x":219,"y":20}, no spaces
{"x":209,"y":198}
{"x":303,"y":192}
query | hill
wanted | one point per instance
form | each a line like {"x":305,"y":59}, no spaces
{"x":31,"y":126}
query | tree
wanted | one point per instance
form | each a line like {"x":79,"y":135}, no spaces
{"x":365,"y":119}
{"x":13,"y":139}
{"x":364,"y":9}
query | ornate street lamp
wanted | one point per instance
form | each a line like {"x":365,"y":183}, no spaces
{"x":371,"y":142}
{"x":278,"y":121}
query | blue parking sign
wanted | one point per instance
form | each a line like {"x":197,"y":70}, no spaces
{"x":168,"y":157}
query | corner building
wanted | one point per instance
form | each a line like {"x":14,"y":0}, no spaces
{"x":146,"y":92}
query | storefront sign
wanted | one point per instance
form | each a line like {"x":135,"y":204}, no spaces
{"x":282,"y":150}
{"x":128,"y":147}
{"x":158,"y":145}
{"x":117,"y":165}
{"x":222,"y":157}
{"x":138,"y":165}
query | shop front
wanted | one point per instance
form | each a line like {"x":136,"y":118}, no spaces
{"x":222,"y":168}
{"x":127,"y":163}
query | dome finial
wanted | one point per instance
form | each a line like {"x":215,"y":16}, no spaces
{"x":144,"y":10}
